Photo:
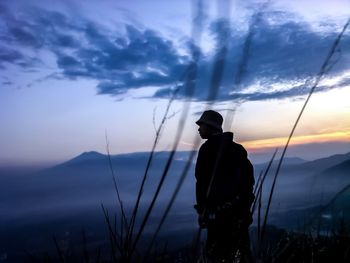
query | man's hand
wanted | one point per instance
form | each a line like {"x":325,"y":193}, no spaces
{"x":201,"y":221}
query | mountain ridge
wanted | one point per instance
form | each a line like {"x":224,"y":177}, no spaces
{"x":325,"y":161}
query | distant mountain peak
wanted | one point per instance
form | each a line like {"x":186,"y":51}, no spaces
{"x":91,"y":155}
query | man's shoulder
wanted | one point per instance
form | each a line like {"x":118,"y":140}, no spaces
{"x":239,"y":149}
{"x":238,"y":146}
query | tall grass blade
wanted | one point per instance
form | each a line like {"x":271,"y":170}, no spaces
{"x":324,"y":69}
{"x":148,"y":165}
{"x":260,"y":186}
{"x":191,"y":77}
{"x":196,"y":31}
{"x":220,"y":56}
{"x":115,"y":239}
{"x":120,"y":202}
{"x":173,"y":197}
{"x":256,"y":186}
{"x":243,"y":63}
{"x":259,"y":216}
{"x":149,"y":210}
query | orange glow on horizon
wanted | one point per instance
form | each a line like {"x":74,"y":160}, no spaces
{"x":259,"y":145}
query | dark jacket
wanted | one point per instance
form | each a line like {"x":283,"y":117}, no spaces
{"x":226,"y":162}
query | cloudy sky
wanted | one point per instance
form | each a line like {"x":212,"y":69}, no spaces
{"x":73,"y":71}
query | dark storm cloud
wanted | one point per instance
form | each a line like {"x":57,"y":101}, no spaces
{"x":131,"y":58}
{"x":288,"y":52}
{"x":24,"y":36}
{"x":10,"y":55}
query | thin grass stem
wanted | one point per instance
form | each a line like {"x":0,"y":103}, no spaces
{"x":173,"y":197}
{"x":120,"y":202}
{"x":324,"y":69}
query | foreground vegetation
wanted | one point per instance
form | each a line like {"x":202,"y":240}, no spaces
{"x":279,"y":246}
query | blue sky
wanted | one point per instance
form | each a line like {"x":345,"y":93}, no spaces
{"x":72,"y":71}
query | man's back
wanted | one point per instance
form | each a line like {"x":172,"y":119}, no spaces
{"x":222,"y":175}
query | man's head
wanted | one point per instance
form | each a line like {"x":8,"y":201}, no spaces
{"x":209,"y":123}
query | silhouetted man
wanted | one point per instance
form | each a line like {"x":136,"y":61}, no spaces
{"x":224,"y":191}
